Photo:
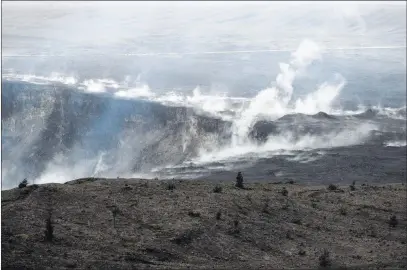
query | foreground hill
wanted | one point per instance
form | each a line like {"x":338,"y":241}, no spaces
{"x":141,"y":224}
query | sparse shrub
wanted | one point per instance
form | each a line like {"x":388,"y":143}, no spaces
{"x":218,"y":215}
{"x":171,"y":186}
{"x":239,"y":180}
{"x":285,"y":206}
{"x":156,"y":178}
{"x":284,"y":192}
{"x":291,"y":182}
{"x":236,"y":228}
{"x":387,"y":203}
{"x":314,"y":205}
{"x":343,"y":211}
{"x":23,"y":183}
{"x":217,"y":189}
{"x":249,"y":198}
{"x":288,"y":236}
{"x":126,"y":187}
{"x":332,"y":187}
{"x":49,"y":230}
{"x":372,"y":232}
{"x":187,"y":237}
{"x":194,"y":214}
{"x":301,"y":252}
{"x":393,"y":222}
{"x":297,"y":221}
{"x":144,"y":184}
{"x":325,"y":260}
{"x":265,"y":207}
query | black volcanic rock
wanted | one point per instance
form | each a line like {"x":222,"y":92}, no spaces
{"x":323,"y":115}
{"x":261,"y":130}
{"x":368,"y":114}
{"x":292,"y":117}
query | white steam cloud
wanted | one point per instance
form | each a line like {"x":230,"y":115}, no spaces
{"x":274,"y":102}
{"x":269,"y":104}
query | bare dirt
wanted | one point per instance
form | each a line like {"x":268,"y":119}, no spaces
{"x":144,"y":224}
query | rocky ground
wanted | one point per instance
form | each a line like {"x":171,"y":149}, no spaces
{"x":145,"y":224}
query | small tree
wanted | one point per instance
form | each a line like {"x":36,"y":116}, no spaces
{"x":325,"y":260}
{"x":393,"y":222}
{"x":218,"y":215}
{"x":352,"y":187}
{"x":266,"y":206}
{"x":115,"y":212}
{"x":332,"y":187}
{"x":284,"y":192}
{"x":23,"y":183}
{"x":217,"y":189}
{"x":239,"y":180}
{"x":171,"y":186}
{"x":236,"y":226}
{"x":49,"y":230}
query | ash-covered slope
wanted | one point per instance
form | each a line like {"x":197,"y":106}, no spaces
{"x":157,"y":228}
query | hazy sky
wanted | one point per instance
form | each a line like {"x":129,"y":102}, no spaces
{"x":138,"y":27}
{"x":179,"y":45}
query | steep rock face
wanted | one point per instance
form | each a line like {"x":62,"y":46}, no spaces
{"x":179,"y":140}
{"x":132,"y":135}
